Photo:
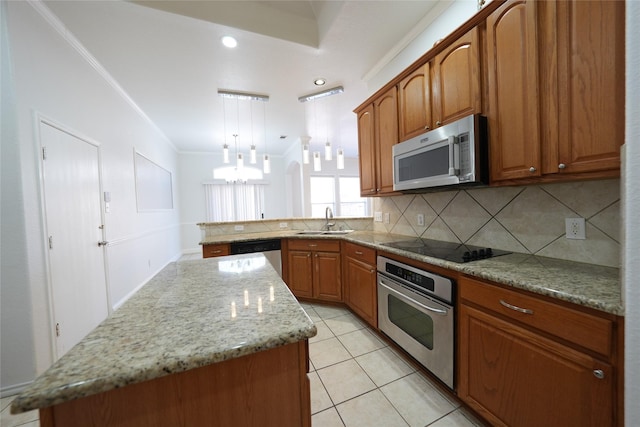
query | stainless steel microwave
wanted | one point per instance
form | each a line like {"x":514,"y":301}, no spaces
{"x":451,"y":155}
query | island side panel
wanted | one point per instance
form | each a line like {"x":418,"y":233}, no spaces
{"x":268,"y":388}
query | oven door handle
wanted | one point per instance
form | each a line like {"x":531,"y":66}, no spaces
{"x":434,"y":310}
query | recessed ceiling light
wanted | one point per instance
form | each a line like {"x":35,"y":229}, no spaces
{"x":229,"y":42}
{"x":319,"y":81}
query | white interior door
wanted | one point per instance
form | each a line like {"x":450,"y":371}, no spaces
{"x":72,"y":194}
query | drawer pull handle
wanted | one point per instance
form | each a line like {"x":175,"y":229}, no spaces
{"x":217,"y":251}
{"x":598,"y":373}
{"x":358,"y":253}
{"x":312,"y":245}
{"x":516,"y":308}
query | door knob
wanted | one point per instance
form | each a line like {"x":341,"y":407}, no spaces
{"x":562,"y":166}
{"x":103,"y":243}
{"x":532,"y":169}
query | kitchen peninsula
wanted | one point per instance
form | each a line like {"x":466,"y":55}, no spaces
{"x":212,"y":342}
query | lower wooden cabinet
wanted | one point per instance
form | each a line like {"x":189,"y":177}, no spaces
{"x":514,"y":374}
{"x":313,"y":268}
{"x":360,"y":281}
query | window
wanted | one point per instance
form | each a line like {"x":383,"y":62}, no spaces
{"x":234,"y":202}
{"x":341,"y":194}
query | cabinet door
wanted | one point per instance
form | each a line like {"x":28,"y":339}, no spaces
{"x":327,"y":284}
{"x":456,"y":80}
{"x":514,"y":377}
{"x":591,"y":85}
{"x":366,"y":152}
{"x":386,"y":125}
{"x":300,"y":273}
{"x":414,"y":99}
{"x":362,"y":295}
{"x":513,"y":116}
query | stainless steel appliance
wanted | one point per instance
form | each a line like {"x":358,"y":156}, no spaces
{"x":416,"y":310}
{"x":451,"y":155}
{"x":456,"y":252}
{"x":270,"y":248}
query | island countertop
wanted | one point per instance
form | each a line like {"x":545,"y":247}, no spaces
{"x":191,"y":314}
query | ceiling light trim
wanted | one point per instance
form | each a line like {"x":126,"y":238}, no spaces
{"x":333,"y":91}
{"x":243,"y":95}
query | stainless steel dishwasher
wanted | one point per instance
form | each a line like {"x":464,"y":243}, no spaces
{"x":270,"y":248}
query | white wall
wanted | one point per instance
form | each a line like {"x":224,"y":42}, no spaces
{"x":195,"y":168}
{"x":51,"y":78}
{"x":631,"y":207}
{"x":443,"y":19}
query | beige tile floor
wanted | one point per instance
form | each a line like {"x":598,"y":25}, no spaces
{"x":356,"y":380}
{"x":359,"y":380}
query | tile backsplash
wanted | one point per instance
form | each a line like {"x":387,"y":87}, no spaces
{"x":528,"y":219}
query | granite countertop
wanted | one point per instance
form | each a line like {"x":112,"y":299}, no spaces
{"x":587,"y":285}
{"x":181,"y":319}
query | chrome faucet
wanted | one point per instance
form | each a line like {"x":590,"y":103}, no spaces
{"x":328,"y":214}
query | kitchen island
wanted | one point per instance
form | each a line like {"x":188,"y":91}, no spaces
{"x":213,"y":342}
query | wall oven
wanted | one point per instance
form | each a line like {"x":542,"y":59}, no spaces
{"x":416,"y":310}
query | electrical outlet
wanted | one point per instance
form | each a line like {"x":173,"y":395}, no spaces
{"x":420,"y":219}
{"x":387,"y":218}
{"x":239,"y":227}
{"x":377,"y":217}
{"x":574,"y":228}
{"x":283,"y":225}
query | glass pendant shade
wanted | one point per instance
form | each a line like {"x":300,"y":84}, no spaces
{"x":225,"y":153}
{"x":266,"y":164}
{"x":305,"y":154}
{"x":240,"y":162}
{"x":252,"y":155}
{"x":327,"y":151}
{"x":316,"y":161}
{"x":340,"y":158}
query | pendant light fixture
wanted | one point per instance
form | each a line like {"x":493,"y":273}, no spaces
{"x":266,"y":161}
{"x":340,"y":158}
{"x":327,"y":145}
{"x":252,"y":150}
{"x":317,"y":166}
{"x":225,"y":147}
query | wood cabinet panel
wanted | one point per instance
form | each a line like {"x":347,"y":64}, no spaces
{"x":269,"y":388}
{"x":386,"y":126}
{"x":586,"y":330}
{"x":327,"y":284}
{"x":456,"y":80}
{"x":516,"y":378}
{"x":360,"y":253}
{"x":590,"y":84}
{"x":513,"y":116}
{"x":313,"y":268}
{"x":214,"y":250}
{"x":367,"y":152}
{"x":414,"y":103}
{"x":361,"y":291}
{"x":300,"y":273}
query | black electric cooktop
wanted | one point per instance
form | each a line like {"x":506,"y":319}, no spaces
{"x":455,"y":252}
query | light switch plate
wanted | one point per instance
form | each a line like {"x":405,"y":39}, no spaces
{"x":387,"y":217}
{"x":420,"y":219}
{"x":377,"y":217}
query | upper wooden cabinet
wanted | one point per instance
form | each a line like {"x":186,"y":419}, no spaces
{"x":556,"y":99}
{"x":456,"y":80}
{"x":377,"y":133}
{"x":414,"y":98}
{"x":590,"y":85}
{"x":513,"y":116}
{"x":442,"y":90}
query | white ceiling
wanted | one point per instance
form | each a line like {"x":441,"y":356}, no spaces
{"x":172,"y":63}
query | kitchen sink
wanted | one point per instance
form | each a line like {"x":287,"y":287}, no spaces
{"x":320,"y":232}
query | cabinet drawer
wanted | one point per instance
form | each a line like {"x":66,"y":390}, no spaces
{"x":220,"y":249}
{"x":361,"y":253}
{"x":314,"y":245}
{"x":586,"y":330}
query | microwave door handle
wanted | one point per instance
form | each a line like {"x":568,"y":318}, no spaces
{"x":454,"y":156}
